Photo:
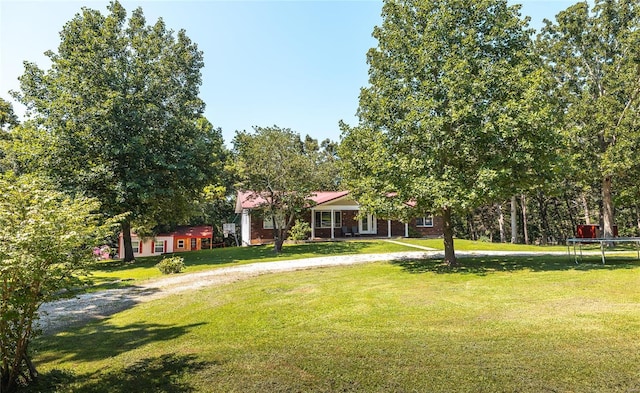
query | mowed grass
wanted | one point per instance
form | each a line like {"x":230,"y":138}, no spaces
{"x":470,"y":245}
{"x":508,"y":324}
{"x":106,"y":273}
{"x":117,"y":273}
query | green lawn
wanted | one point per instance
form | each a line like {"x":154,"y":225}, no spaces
{"x":107,"y":272}
{"x":115,"y":273}
{"x":469,"y":245}
{"x":538,"y":324}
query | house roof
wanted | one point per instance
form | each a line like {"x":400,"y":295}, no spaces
{"x":251,"y":200}
{"x":321,"y":197}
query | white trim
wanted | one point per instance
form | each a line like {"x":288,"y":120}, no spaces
{"x":372,"y":225}
{"x":337,"y":207}
{"x":157,"y":242}
{"x":333,"y":222}
{"x":423,"y":219}
{"x":245,"y":227}
{"x":389,"y":228}
{"x":406,"y":229}
{"x":313,"y":223}
{"x":332,"y":215}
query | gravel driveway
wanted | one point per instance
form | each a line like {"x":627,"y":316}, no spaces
{"x":57,"y":315}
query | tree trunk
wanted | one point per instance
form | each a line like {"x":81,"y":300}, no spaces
{"x":277,"y":241}
{"x":126,"y":240}
{"x":33,"y":372}
{"x":574,"y":225}
{"x":607,"y":209}
{"x":514,"y":220}
{"x":587,"y":213}
{"x":544,"y":219}
{"x":501,"y":223}
{"x":525,"y":232}
{"x":473,"y":234}
{"x":277,"y":245}
{"x":449,"y":251}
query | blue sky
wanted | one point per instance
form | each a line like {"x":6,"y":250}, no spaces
{"x":295,"y":64}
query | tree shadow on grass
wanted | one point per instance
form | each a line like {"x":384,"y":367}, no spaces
{"x":493,"y":264}
{"x":162,"y":374}
{"x":103,"y":340}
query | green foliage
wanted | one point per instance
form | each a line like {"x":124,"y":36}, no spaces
{"x":171,"y":265}
{"x":301,"y":230}
{"x":46,"y":243}
{"x":122,"y":116}
{"x":455,"y":114}
{"x":8,"y":118}
{"x":594,"y":57}
{"x":273,"y":163}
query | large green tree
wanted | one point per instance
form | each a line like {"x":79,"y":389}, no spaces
{"x":454,"y":115}
{"x":8,"y":120}
{"x":595,"y":58}
{"x":272,"y":162}
{"x":46,"y":242}
{"x":120,"y":115}
{"x":8,"y":117}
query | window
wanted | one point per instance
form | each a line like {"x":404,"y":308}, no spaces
{"x":323,"y":220}
{"x":426,"y":221}
{"x":136,"y":246}
{"x":158,"y":247}
{"x":181,"y":243}
{"x":267,"y":221}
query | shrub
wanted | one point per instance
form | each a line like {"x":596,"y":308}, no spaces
{"x":300,"y":231}
{"x":171,"y":265}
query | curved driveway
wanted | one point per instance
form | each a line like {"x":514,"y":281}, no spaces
{"x":56,"y":315}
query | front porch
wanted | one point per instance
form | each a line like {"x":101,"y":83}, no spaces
{"x":342,"y":219}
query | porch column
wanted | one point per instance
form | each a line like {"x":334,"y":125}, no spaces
{"x":406,"y":229}
{"x":313,"y":223}
{"x":389,"y":228}
{"x":333,"y":223}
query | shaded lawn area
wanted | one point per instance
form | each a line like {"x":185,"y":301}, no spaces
{"x":503,"y":324}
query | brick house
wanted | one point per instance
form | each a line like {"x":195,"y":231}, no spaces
{"x":334,"y":214}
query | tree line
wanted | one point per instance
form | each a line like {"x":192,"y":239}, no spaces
{"x":511,"y":135}
{"x":472,"y":112}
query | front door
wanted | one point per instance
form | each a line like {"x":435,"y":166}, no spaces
{"x":367,"y":224}
{"x":194,"y":244}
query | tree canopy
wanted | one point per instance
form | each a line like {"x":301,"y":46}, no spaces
{"x":120,"y":116}
{"x":594,"y":57}
{"x":275,"y":164}
{"x":8,"y":120}
{"x":449,"y":118}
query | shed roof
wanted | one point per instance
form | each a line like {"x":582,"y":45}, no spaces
{"x":195,"y":231}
